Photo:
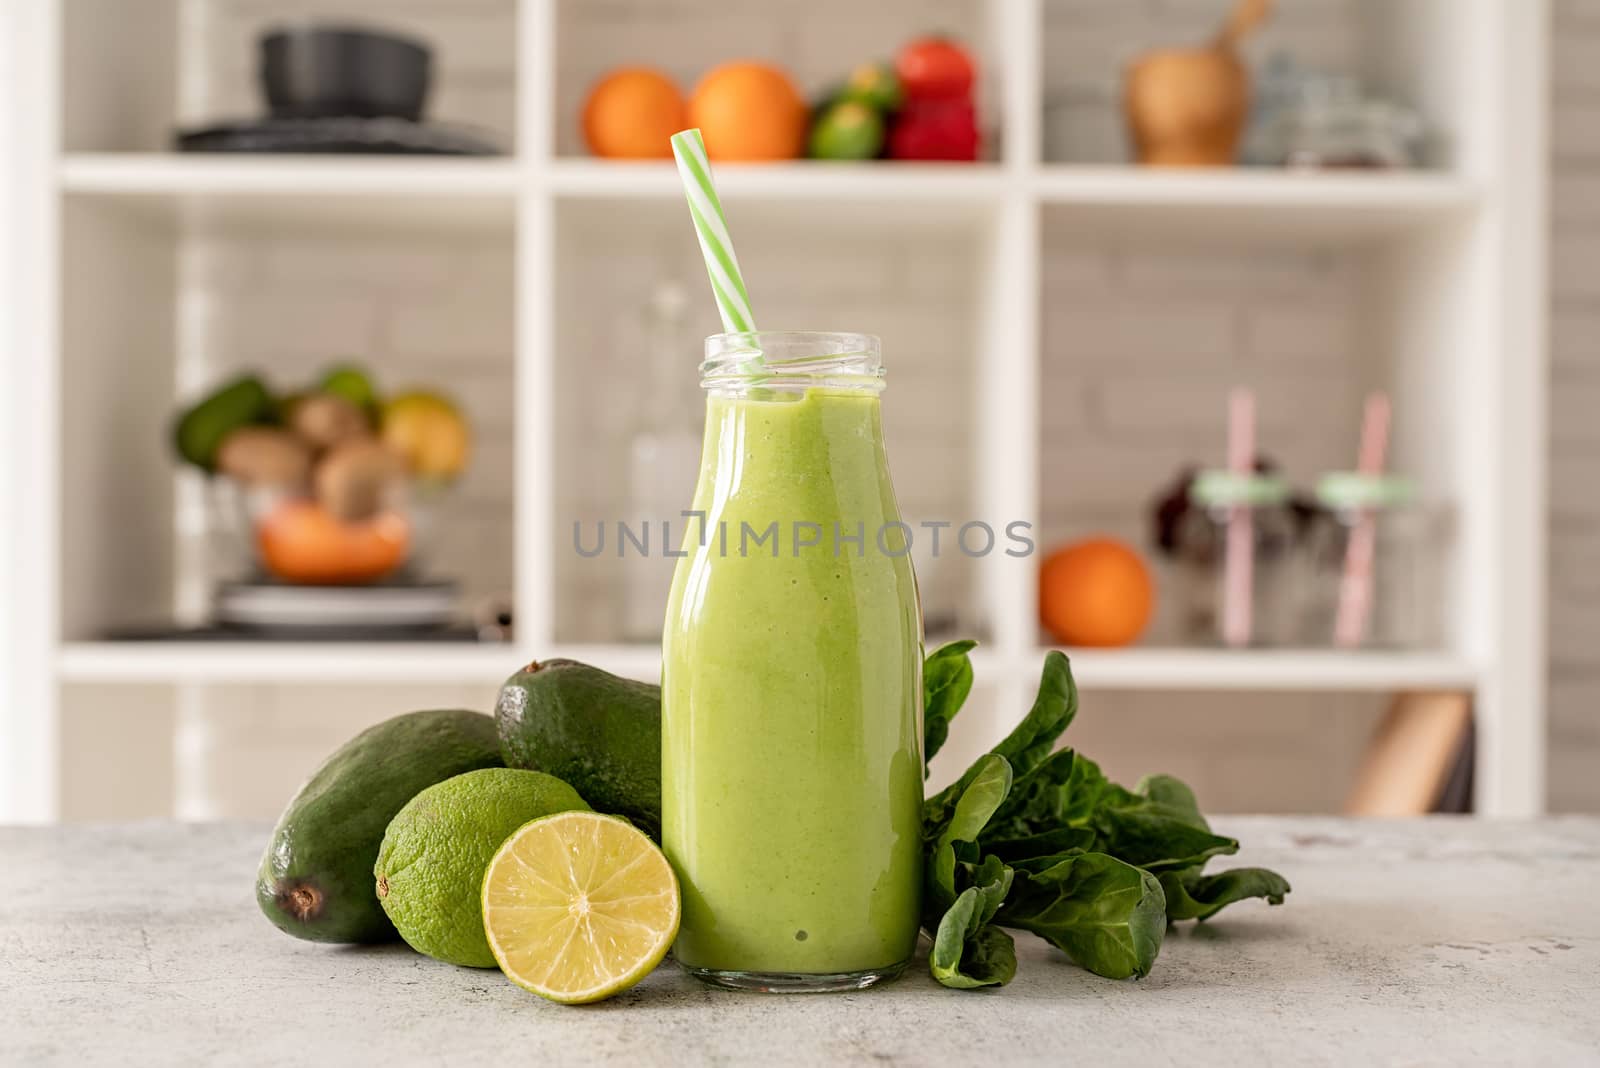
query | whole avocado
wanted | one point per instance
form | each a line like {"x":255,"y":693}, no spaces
{"x":589,"y":728}
{"x":315,"y":880}
{"x":201,"y":430}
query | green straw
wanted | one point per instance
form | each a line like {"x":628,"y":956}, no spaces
{"x":712,"y":229}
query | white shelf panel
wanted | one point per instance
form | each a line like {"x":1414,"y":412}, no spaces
{"x":1119,"y":200}
{"x":1286,"y":670}
{"x":344,"y":192}
{"x":802,"y":180}
{"x":285,"y":663}
{"x":1128,"y":669}
{"x":227,"y":174}
{"x":1253,"y":202}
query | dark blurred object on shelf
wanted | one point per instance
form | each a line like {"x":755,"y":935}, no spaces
{"x":494,"y":619}
{"x":1189,"y":528}
{"x":455,"y":633}
{"x":401,"y":611}
{"x":335,"y":88}
{"x":1169,"y":510}
{"x":403,"y":605}
{"x":349,"y":136}
{"x":311,"y":71}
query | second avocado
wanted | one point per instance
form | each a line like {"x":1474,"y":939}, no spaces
{"x":589,"y":728}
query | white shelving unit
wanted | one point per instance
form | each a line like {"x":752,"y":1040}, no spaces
{"x":1460,"y":251}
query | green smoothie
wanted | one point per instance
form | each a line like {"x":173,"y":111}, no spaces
{"x":791,"y":688}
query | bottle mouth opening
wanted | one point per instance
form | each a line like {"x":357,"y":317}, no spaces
{"x":792,"y":360}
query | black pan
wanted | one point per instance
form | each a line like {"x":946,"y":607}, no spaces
{"x":321,"y":71}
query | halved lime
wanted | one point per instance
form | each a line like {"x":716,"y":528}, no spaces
{"x":579,"y":906}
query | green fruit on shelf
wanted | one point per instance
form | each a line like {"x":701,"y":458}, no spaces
{"x":430,"y":432}
{"x":875,"y":85}
{"x":316,"y":878}
{"x":201,"y":429}
{"x":352,"y":383}
{"x":847,"y":130}
{"x":590,"y":728}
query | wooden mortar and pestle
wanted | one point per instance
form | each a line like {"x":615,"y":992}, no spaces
{"x":1187,"y":106}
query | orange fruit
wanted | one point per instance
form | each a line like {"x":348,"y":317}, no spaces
{"x":1096,"y":592}
{"x":300,"y":541}
{"x":749,"y":111}
{"x":632,"y":113}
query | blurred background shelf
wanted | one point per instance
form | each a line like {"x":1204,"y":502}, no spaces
{"x":1284,"y":206}
{"x":242,"y":191}
{"x":243,"y":174}
{"x":1286,"y":670}
{"x":443,"y":662}
{"x":805,"y":180}
{"x":1060,"y":327}
{"x":276,"y":662}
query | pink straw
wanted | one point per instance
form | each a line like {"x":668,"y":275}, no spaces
{"x":1355,"y":587}
{"x":1237,"y":576}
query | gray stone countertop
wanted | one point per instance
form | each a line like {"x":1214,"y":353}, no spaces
{"x":1430,"y":942}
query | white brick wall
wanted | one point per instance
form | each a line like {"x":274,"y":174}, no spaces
{"x":916,"y":292}
{"x":419,"y":310}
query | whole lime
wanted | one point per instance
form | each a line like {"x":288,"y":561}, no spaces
{"x":430,"y":866}
{"x":875,"y":85}
{"x":429,"y":431}
{"x":352,"y":383}
{"x":847,"y":130}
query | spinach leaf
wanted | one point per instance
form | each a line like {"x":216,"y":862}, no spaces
{"x":1157,"y":827}
{"x":1145,"y":834}
{"x":1082,"y":792}
{"x":991,"y":778}
{"x":946,"y":682}
{"x":1029,"y":744}
{"x":961,"y":896}
{"x":1192,"y":896}
{"x":1035,"y":801}
{"x":968,"y":951}
{"x":1109,"y":917}
{"x":1034,"y":739}
{"x":1051,"y":843}
{"x":1174,"y":795}
{"x":991,"y":781}
{"x":1037,"y":838}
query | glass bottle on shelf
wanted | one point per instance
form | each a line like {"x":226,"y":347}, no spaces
{"x":1375,"y":574}
{"x":1256,"y":592}
{"x":1333,"y":126}
{"x":663,"y":457}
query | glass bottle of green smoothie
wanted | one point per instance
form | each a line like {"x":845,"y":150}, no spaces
{"x":791,"y":678}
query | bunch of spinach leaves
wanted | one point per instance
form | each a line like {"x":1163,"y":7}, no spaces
{"x":1037,"y":839}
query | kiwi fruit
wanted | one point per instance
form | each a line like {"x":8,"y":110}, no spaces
{"x":325,"y":420}
{"x":264,"y":456}
{"x":356,"y":479}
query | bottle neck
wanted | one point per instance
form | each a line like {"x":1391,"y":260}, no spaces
{"x":779,"y":365}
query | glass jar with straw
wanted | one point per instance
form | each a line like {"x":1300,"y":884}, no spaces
{"x":1374,"y":575}
{"x":791,"y":660}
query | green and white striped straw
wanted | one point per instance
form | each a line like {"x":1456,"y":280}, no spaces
{"x":712,"y":229}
